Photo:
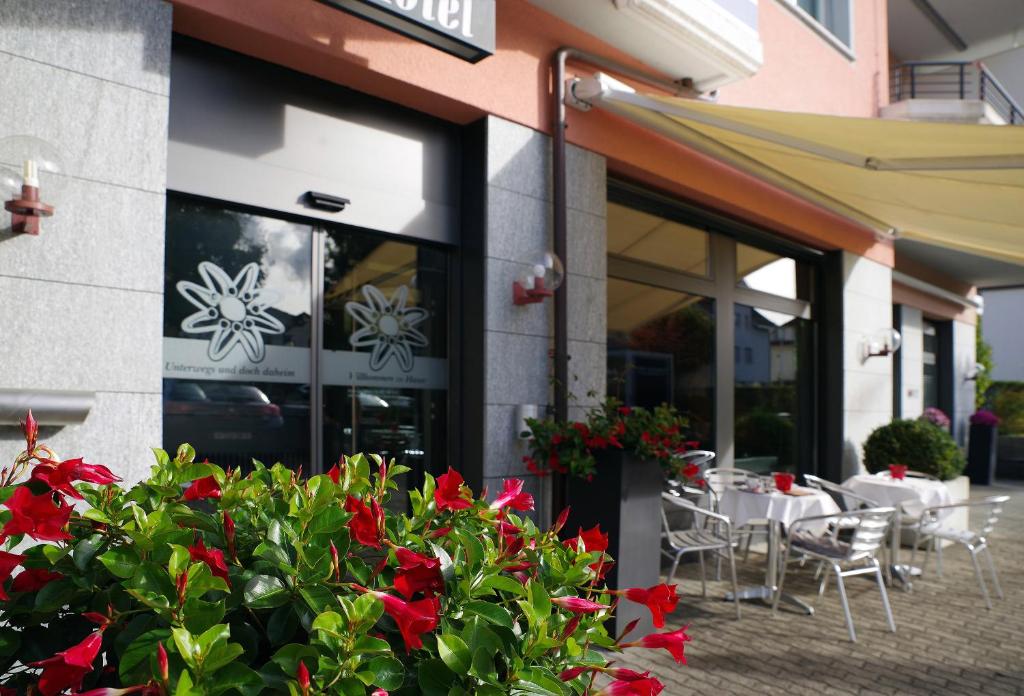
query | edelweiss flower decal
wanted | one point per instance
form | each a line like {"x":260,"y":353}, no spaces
{"x":387,"y":327}
{"x":234,"y":311}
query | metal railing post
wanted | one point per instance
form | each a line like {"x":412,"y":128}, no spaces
{"x":962,"y":85}
{"x":912,"y":85}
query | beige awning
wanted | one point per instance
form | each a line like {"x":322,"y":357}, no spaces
{"x":952,"y":185}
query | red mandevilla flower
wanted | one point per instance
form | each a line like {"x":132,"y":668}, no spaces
{"x":417,"y":573}
{"x":59,"y":477}
{"x":229,"y":534}
{"x":302,"y":676}
{"x":379,"y":692}
{"x":594,"y":541}
{"x":335,"y":474}
{"x":448,"y":493}
{"x":644,"y":686}
{"x":214,"y":558}
{"x":578,"y":605}
{"x":674,"y":642}
{"x":206,"y":487}
{"x":572,"y":673}
{"x":563,"y":517}
{"x":34,"y":579}
{"x":66,"y":669}
{"x":37,"y":516}
{"x":8,"y":562}
{"x":512,"y":496}
{"x":660,"y":599}
{"x":364,"y":523}
{"x":413,"y":618}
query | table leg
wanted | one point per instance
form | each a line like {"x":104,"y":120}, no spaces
{"x":903,"y":573}
{"x":766,"y":592}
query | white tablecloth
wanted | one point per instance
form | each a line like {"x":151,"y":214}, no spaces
{"x":913,"y":495}
{"x":743,"y":506}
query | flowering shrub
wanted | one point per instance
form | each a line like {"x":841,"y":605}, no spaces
{"x":205,"y":581}
{"x":935,"y":416}
{"x":569,"y":447}
{"x":984,"y":417}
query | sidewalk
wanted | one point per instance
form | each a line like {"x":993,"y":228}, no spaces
{"x":946,"y":641}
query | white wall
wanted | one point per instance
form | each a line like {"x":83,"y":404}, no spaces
{"x":867,"y":383}
{"x":1004,"y":331}
{"x":911,"y":357}
{"x":964,"y":358}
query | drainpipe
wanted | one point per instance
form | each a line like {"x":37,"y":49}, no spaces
{"x":559,"y":198}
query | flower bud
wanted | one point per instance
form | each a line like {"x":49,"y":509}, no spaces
{"x":335,"y":562}
{"x":161,"y":661}
{"x":31,"y":429}
{"x":302,"y":675}
{"x":182,"y":584}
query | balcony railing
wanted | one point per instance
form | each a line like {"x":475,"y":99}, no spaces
{"x":954,"y":80}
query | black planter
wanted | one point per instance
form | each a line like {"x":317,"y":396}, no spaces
{"x":625,"y":499}
{"x":981,"y":454}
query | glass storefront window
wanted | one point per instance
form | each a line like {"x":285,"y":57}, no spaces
{"x":384,"y":366}
{"x":930,"y":367}
{"x":237,"y":312}
{"x":772,"y":351}
{"x":768,"y":272}
{"x":661,"y":350}
{"x":640,"y":236}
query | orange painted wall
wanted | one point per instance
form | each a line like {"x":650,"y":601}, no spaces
{"x":804,"y":72}
{"x":513,"y":84}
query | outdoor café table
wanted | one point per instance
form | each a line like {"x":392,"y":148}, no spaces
{"x":780,"y":509}
{"x":910,"y":497}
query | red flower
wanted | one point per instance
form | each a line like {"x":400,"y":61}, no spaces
{"x":214,"y":558}
{"x":660,"y":599}
{"x":582,"y":429}
{"x":161,"y":662}
{"x":643,"y":686}
{"x":66,"y":669}
{"x":563,"y":517}
{"x":512,"y":495}
{"x":578,"y":605}
{"x":557,"y":439}
{"x":37,"y":516}
{"x":674,"y":642}
{"x":229,"y":534}
{"x":625,"y":410}
{"x":413,"y":618}
{"x":379,"y":692}
{"x":59,"y":476}
{"x":364,"y":524}
{"x":573,"y":672}
{"x":31,"y":429}
{"x":691,"y":471}
{"x":302,"y":676}
{"x":8,"y":562}
{"x":593,"y":539}
{"x":448,"y":494}
{"x":417,"y":573}
{"x":34,"y":579}
{"x":335,"y":474}
{"x":206,"y":487}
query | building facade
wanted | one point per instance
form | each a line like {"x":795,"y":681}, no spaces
{"x":288,"y":232}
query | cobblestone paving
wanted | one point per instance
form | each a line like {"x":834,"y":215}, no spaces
{"x":946,"y":641}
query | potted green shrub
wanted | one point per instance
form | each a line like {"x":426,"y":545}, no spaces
{"x":616,"y":460}
{"x":200,"y":581}
{"x":919,"y":444}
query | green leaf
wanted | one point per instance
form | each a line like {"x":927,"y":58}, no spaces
{"x":179,"y":560}
{"x":264,"y":592}
{"x":539,"y":599}
{"x":388,"y":673}
{"x":318,"y":598}
{"x":504,"y":583}
{"x":121,"y":561}
{"x":200,"y":615}
{"x":187,"y":647}
{"x":237,"y":676}
{"x":55,"y":595}
{"x":478,"y":636}
{"x":328,"y":520}
{"x":492,"y":612}
{"x":186,"y":454}
{"x":330,"y":622}
{"x":447,"y":566}
{"x":86,"y":549}
{"x":10,"y":641}
{"x":535,"y":680}
{"x":287,"y":658}
{"x":369,"y":644}
{"x":283,"y":624}
{"x":455,"y":653}
{"x":483,"y":665}
{"x":434,"y":678}
{"x":367,"y":609}
{"x":134,"y":664}
{"x":221,"y":655}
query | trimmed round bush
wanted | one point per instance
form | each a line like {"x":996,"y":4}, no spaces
{"x":918,"y":444}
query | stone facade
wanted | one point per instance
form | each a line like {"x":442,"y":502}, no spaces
{"x":83,"y":302}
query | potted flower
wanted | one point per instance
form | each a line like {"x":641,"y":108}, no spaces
{"x":616,"y":461}
{"x":982,"y":447}
{"x":202,"y":582}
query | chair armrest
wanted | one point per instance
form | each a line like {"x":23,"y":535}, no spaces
{"x":690,"y":507}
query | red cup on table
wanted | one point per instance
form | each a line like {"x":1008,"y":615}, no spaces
{"x":783,"y":481}
{"x":898,"y":471}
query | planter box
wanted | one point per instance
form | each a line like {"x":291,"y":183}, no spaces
{"x":959,"y":489}
{"x":1010,"y":463}
{"x":625,"y":499}
{"x":981,"y":454}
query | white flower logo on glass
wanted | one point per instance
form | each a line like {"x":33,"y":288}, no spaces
{"x":387,"y":327}
{"x":234,"y":311}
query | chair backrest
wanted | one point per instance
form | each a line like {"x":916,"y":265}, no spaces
{"x":983,"y":521}
{"x":846,"y":500}
{"x":870,"y":532}
{"x":721,"y":478}
{"x":995,"y":508}
{"x":699,"y":457}
{"x":701,"y":517}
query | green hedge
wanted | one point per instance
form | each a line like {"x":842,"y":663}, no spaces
{"x":919,"y":444}
{"x":1007,"y":401}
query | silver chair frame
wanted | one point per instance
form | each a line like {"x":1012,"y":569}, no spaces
{"x":741,"y":476}
{"x":856,"y":557}
{"x":711,"y":531}
{"x":976,"y":542}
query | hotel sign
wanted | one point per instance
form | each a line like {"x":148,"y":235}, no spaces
{"x":464,"y":28}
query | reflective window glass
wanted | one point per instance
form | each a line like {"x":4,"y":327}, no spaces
{"x":661,"y":350}
{"x":768,"y":272}
{"x":644,"y":237}
{"x":236,"y":349}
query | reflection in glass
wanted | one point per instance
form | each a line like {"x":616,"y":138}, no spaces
{"x":930,"y":367}
{"x":771,"y":377}
{"x":644,"y":237}
{"x":384,"y":365}
{"x":764,"y":271}
{"x":237,"y":308}
{"x":661,"y":350}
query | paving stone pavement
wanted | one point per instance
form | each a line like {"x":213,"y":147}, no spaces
{"x":946,"y":641}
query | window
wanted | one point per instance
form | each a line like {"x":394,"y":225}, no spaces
{"x":640,"y":236}
{"x":833,"y":16}
{"x":930,"y":367}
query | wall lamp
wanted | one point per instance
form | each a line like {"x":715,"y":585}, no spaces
{"x":881,"y":343}
{"x":539,"y":282}
{"x":977,"y":371}
{"x":21,"y":192}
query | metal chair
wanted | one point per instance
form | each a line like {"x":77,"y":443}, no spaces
{"x":845,"y":558}
{"x":701,"y":458}
{"x":711,"y":531}
{"x":717,"y":480}
{"x":929,"y":529}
